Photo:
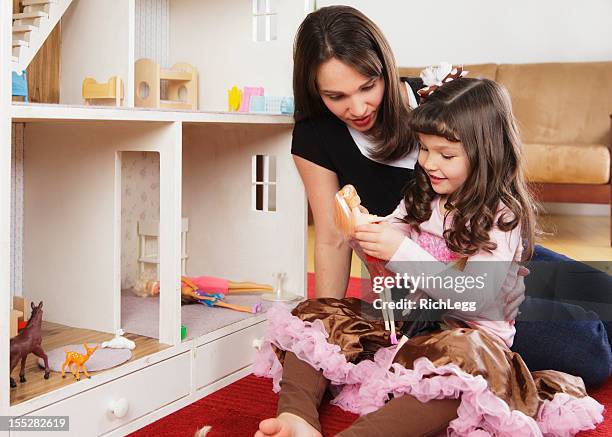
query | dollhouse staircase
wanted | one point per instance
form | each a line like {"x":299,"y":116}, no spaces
{"x":32,"y":27}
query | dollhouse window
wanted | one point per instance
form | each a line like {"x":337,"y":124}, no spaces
{"x":310,"y":6}
{"x":264,"y":183}
{"x":264,"y":20}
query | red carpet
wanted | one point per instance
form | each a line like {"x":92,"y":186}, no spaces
{"x":236,"y":410}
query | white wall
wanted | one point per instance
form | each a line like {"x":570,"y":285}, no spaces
{"x":97,"y":40}
{"x":226,"y":237}
{"x":477,"y":31}
{"x":216,"y":37}
{"x":72,"y":217}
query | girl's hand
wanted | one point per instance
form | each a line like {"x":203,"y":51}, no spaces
{"x":379,"y":240}
{"x":515,"y":298}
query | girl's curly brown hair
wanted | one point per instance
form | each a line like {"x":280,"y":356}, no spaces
{"x":477,"y":113}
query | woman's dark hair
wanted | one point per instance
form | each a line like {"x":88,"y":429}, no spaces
{"x":477,"y":113}
{"x":344,"y":33}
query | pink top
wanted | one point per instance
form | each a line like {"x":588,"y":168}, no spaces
{"x":429,"y":256}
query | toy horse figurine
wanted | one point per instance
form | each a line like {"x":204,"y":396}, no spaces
{"x":28,"y":340}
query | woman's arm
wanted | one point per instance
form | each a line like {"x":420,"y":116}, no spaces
{"x":332,"y":253}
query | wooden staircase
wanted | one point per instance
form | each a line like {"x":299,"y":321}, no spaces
{"x":32,"y":27}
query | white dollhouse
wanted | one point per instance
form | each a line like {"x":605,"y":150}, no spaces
{"x":63,"y":221}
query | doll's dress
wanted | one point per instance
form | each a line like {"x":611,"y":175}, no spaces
{"x":499,"y":395}
{"x":211,"y":284}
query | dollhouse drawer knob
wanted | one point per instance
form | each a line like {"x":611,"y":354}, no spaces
{"x":257,"y":343}
{"x":119,"y":408}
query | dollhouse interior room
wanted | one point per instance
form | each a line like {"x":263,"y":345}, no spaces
{"x":152,"y":212}
{"x":148,"y":221}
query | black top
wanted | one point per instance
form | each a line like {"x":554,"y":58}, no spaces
{"x":326,"y":141}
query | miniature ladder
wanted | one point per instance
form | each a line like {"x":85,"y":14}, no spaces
{"x":149,"y":229}
{"x":32,"y":27}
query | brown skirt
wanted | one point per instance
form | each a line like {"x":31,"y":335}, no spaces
{"x":455,"y":361}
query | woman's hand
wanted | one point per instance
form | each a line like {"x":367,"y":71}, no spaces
{"x":515,"y":298}
{"x":379,"y":240}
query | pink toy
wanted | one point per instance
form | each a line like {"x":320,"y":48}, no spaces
{"x":246,"y":96}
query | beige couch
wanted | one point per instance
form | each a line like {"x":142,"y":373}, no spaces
{"x":564,"y":113}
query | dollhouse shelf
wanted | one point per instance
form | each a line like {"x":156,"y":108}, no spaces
{"x":175,"y":75}
{"x":31,"y":112}
{"x":171,"y":104}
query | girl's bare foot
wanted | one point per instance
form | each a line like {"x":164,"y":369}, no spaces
{"x":286,"y":425}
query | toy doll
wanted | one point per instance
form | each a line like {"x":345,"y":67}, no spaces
{"x":208,"y":284}
{"x":207,"y":290}
{"x":192,"y":293}
{"x":348,"y":214}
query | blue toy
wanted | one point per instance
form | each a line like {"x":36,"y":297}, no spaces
{"x":257,"y":104}
{"x":216,"y":299}
{"x":287,"y":105}
{"x":272,"y":105}
{"x":20,"y":85}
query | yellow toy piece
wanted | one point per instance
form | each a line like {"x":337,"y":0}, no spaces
{"x":234,"y":97}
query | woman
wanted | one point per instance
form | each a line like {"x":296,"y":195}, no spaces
{"x":350,"y":128}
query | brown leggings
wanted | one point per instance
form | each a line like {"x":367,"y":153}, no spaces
{"x":302,"y":389}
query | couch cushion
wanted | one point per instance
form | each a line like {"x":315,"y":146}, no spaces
{"x":575,"y":164}
{"x":561,"y":103}
{"x":487,"y":71}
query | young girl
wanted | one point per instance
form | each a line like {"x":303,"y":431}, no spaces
{"x":468,"y":200}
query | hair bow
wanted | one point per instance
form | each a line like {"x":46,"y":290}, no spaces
{"x":437,"y":75}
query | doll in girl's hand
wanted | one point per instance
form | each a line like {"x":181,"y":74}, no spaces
{"x":348,"y":215}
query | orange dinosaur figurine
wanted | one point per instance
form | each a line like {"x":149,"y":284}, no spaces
{"x":78,"y":360}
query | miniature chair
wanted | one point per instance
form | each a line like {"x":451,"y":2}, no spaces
{"x":111,"y":90}
{"x":181,"y":86}
{"x":20,"y":85}
{"x":149,"y":229}
{"x":18,"y":314}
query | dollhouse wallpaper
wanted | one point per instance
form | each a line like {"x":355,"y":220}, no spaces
{"x":140,"y":171}
{"x":139,"y":201}
{"x":17,"y":209}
